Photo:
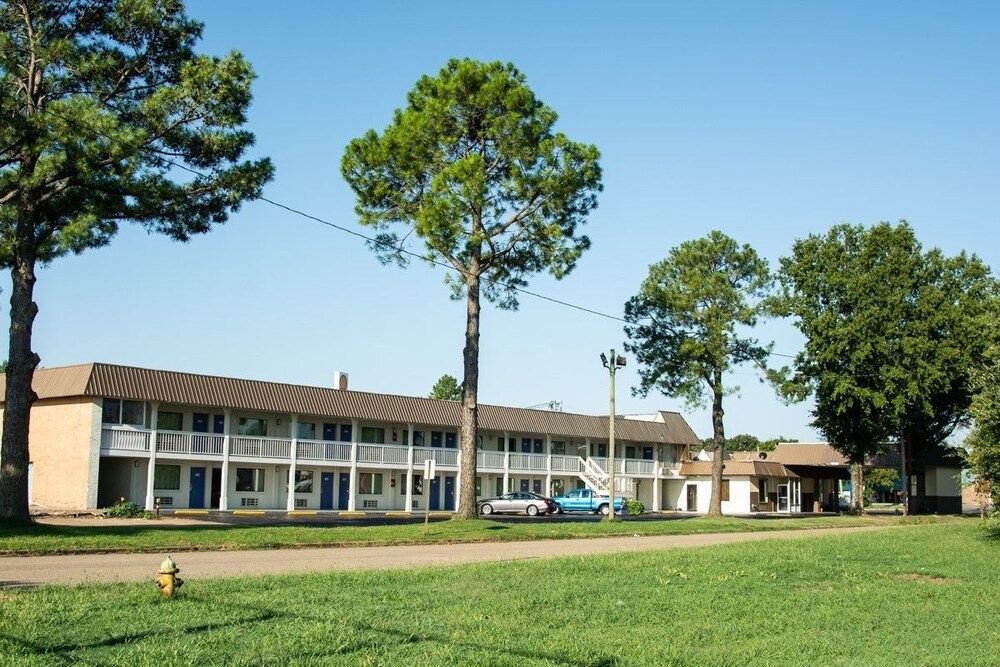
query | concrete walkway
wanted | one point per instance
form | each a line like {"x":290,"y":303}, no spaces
{"x":16,"y":571}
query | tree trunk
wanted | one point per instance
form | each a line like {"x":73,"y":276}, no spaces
{"x":857,"y":488}
{"x":718,"y":448}
{"x":21,"y":365}
{"x":470,"y":398}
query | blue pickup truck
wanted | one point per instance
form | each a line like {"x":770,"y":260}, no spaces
{"x":586,"y":500}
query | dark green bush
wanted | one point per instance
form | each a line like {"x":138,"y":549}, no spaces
{"x":126,"y":509}
{"x":634,"y":507}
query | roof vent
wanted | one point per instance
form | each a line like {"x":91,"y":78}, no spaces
{"x":340,"y":381}
{"x":762,"y":455}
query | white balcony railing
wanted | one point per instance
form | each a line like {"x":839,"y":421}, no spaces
{"x":116,"y":438}
{"x":125,"y":439}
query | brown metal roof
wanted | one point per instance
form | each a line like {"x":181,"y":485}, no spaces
{"x":737,"y":469}
{"x":128,"y":382}
{"x":807,"y":454}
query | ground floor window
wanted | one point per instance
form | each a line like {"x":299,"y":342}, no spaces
{"x":558,"y":486}
{"x":479,"y":486}
{"x":500,"y":489}
{"x":250,"y":479}
{"x":370,"y":483}
{"x":303,"y":481}
{"x":167,"y":477}
{"x":418,"y":485}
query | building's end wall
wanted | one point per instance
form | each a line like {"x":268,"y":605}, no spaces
{"x":61,"y":449}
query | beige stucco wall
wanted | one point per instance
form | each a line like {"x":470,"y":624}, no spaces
{"x":64,"y":446}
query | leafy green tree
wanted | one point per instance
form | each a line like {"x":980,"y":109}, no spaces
{"x":881,"y":479}
{"x":473,"y":168}
{"x":447,"y":388}
{"x":106,"y":116}
{"x":687,"y":327}
{"x":983,"y":443}
{"x":742,"y":442}
{"x":893,"y":335}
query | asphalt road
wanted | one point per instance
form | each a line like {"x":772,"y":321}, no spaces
{"x":22,"y":571}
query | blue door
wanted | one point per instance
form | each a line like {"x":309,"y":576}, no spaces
{"x":536,"y":485}
{"x":435,"y":438}
{"x":219,"y":424}
{"x":435,"y":500}
{"x":196,"y":498}
{"x":524,"y":485}
{"x":345,"y":490}
{"x":538,"y":446}
{"x":329,"y":431}
{"x":602,"y":449}
{"x":345,"y":433}
{"x":326,"y":491}
{"x":450,"y":440}
{"x":647,"y":453}
{"x":199,"y":422}
{"x":526,"y":445}
{"x":449,"y":493}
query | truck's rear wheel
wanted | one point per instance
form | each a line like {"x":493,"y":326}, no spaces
{"x":603,"y":510}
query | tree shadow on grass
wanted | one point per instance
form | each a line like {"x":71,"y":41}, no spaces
{"x":51,"y":650}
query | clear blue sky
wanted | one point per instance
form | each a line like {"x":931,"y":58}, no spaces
{"x":768,"y":121}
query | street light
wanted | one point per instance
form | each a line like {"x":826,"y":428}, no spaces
{"x":617,"y":361}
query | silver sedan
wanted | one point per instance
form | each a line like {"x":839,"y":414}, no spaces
{"x":517,"y":502}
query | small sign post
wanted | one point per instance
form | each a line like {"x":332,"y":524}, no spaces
{"x":428,"y":476}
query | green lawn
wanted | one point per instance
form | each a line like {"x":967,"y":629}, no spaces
{"x":918,"y":594}
{"x":157,"y":536}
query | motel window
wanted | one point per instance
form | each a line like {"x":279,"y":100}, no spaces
{"x":167,"y":478}
{"x":306,"y":431}
{"x":558,"y":447}
{"x":500,"y":443}
{"x":252,"y":426}
{"x":250,"y":479}
{"x":630,"y":452}
{"x":725,"y":489}
{"x":418,"y":485}
{"x":303,"y":481}
{"x":370,"y":483}
{"x":169,"y":421}
{"x":373,"y":435}
{"x":117,"y":411}
{"x":418,"y":438}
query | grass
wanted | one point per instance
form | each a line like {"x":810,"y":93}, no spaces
{"x":156,"y":536}
{"x":917,"y":594}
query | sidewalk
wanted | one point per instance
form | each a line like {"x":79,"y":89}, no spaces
{"x":18,"y":571}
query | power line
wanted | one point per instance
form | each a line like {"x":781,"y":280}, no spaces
{"x":365,"y":237}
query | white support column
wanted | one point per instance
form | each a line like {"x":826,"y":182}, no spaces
{"x":352,"y":497}
{"x":548,"y":464}
{"x":226,"y":423}
{"x":409,"y":468}
{"x":657,"y":483}
{"x":506,"y":462}
{"x":293,"y":454}
{"x":151,"y":469}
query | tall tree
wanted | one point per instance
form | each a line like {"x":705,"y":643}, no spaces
{"x":688,"y":326}
{"x":473,"y":168}
{"x":893,"y":335}
{"x":983,"y":443}
{"x":103,"y":103}
{"x":447,"y":388}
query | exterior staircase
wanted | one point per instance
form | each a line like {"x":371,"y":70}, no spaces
{"x":597,"y":479}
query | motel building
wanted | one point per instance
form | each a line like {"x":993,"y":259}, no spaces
{"x":100,"y":432}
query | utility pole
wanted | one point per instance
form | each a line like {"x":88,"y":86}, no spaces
{"x":612,"y":364}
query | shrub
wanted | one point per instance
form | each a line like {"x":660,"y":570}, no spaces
{"x":126,"y":509}
{"x":634,"y":507}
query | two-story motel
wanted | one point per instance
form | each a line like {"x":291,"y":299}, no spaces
{"x":99,"y":432}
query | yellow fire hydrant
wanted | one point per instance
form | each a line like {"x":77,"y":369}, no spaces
{"x":168,"y":581}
